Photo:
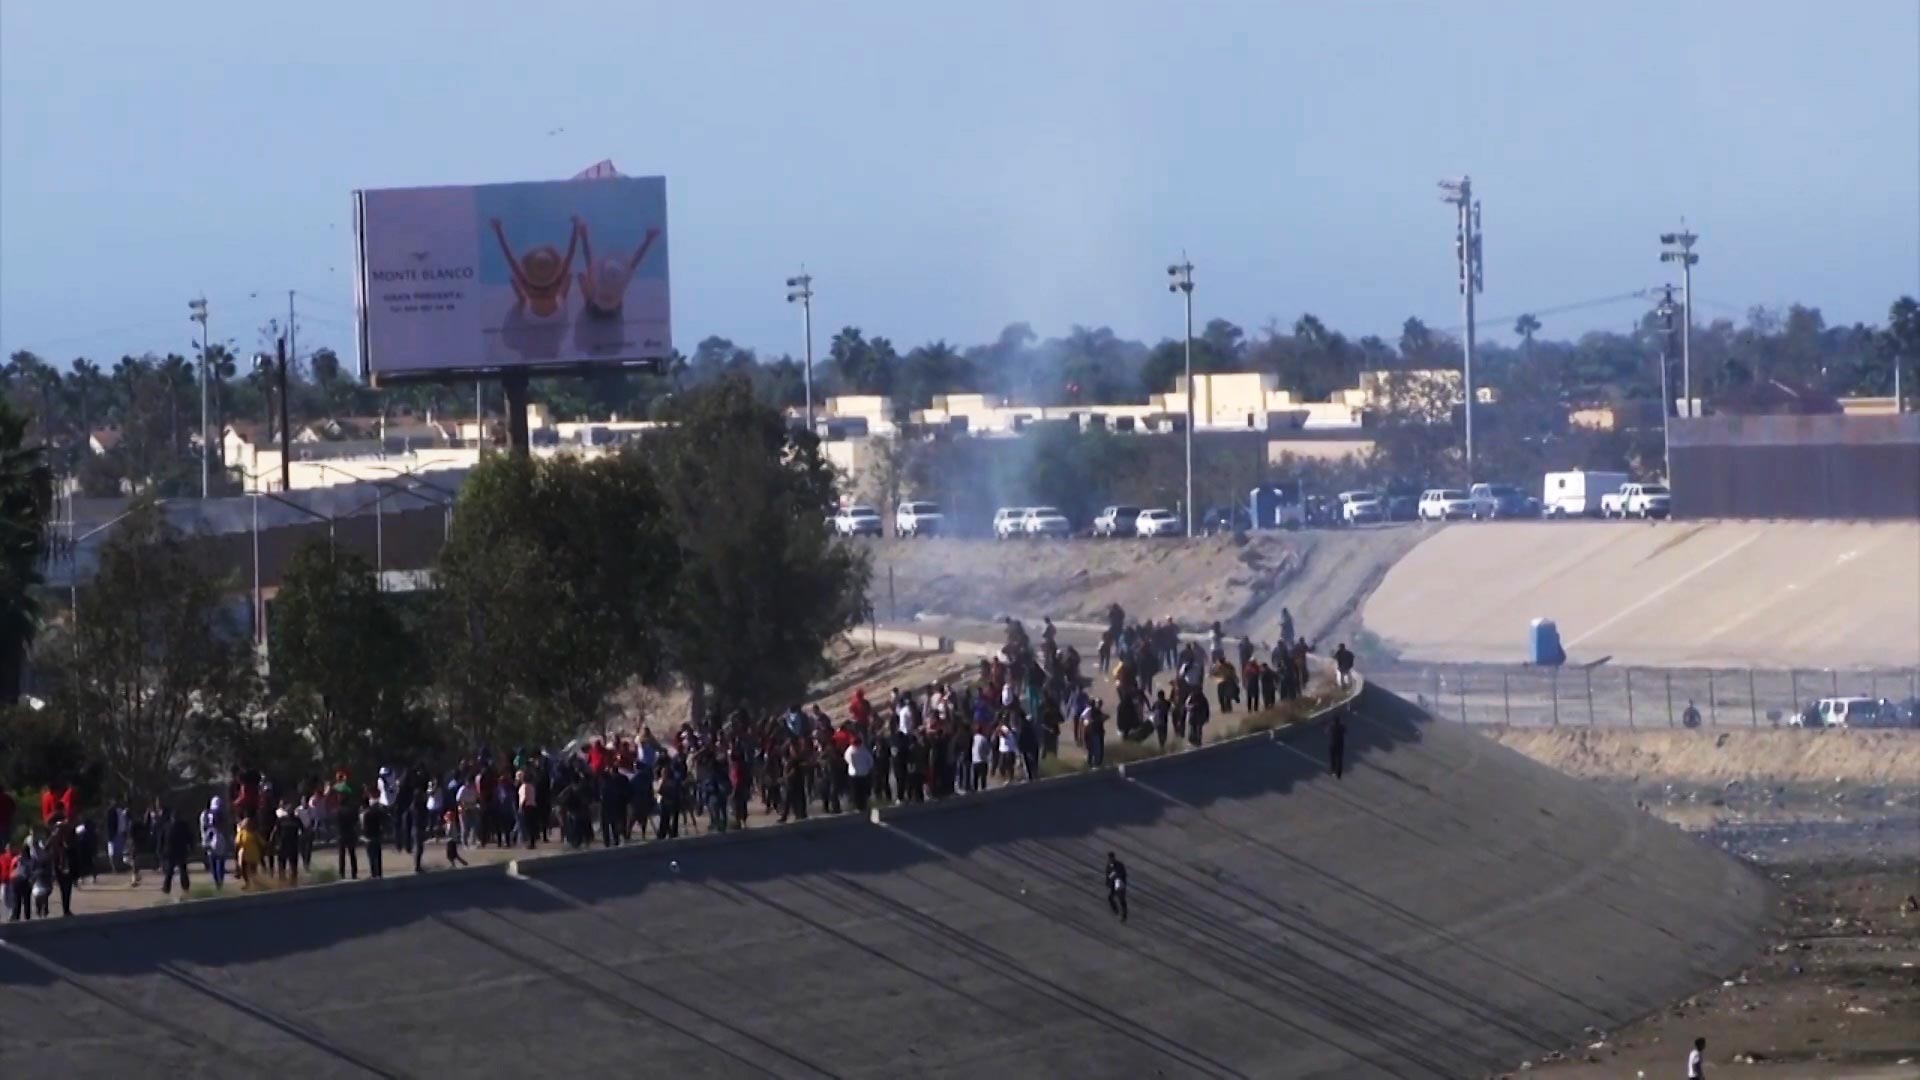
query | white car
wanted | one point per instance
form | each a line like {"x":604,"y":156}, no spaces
{"x":1445,"y":504}
{"x":917,"y":519}
{"x":1046,"y":521}
{"x":1637,"y":500}
{"x":1116,"y":521}
{"x":857,"y":521}
{"x":1361,"y":507}
{"x":1009,"y":522}
{"x":1152,"y":523}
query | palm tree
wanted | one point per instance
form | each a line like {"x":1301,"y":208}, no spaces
{"x":38,"y":381}
{"x":176,"y":378}
{"x":1526,"y":326}
{"x":26,"y":500}
{"x":88,"y":388}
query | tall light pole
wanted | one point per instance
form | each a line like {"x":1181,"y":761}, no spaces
{"x":800,"y":288}
{"x":1678,"y":247}
{"x":1181,"y":274}
{"x":198,"y":308}
{"x":1666,"y":311}
{"x":1466,"y":252}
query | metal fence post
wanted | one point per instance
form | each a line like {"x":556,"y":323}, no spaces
{"x":1506,"y":697}
{"x":1713,"y":711}
{"x":1753,"y":699}
{"x":1669,"y":698}
{"x":1555,"y":692}
{"x":1793,"y":690}
{"x":1629,"y":697}
{"x":1589,"y":672}
{"x":1463,"y":697}
{"x":1836,"y":681}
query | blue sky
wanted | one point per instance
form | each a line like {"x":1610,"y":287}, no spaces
{"x":944,"y":169}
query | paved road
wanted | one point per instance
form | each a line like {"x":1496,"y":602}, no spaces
{"x":1447,"y":910}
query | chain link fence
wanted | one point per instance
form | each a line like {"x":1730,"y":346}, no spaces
{"x":1632,"y":697}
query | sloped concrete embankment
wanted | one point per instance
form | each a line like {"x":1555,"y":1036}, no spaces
{"x":1448,"y":908}
{"x":1773,"y":595}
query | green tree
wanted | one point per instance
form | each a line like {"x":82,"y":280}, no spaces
{"x":154,"y":656}
{"x":1526,"y":326}
{"x":26,"y":499}
{"x":861,"y":366}
{"x":933,"y":368}
{"x":761,"y":586}
{"x":343,"y":665}
{"x":552,"y":586}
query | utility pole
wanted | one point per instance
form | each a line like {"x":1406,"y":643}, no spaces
{"x":293,"y":338}
{"x":1678,"y":247}
{"x":1181,"y":274}
{"x":198,"y":310}
{"x":800,"y":288}
{"x":1666,"y":312}
{"x":286,"y":433}
{"x":1466,"y":253}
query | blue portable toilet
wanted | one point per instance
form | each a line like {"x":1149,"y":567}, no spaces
{"x":1543,"y":644}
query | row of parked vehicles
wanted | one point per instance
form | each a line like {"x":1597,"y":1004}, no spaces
{"x":1857,"y":712}
{"x":919,"y":518}
{"x":1567,"y":495}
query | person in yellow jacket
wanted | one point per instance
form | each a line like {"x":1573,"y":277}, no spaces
{"x":251,"y":848}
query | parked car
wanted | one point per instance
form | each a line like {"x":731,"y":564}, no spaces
{"x":857,"y":521}
{"x":1847,"y":712}
{"x":1224,"y":519}
{"x":1637,"y":500}
{"x":1445,"y":504}
{"x":1402,"y":505}
{"x":1497,"y":501}
{"x":1155,"y":523}
{"x":1009,"y":522}
{"x":1577,"y":493}
{"x":917,"y":519}
{"x":1116,"y":521}
{"x":1361,"y":508}
{"x":1046,"y":521}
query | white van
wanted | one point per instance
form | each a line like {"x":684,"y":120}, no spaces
{"x":1009,"y":522}
{"x":1577,"y":493}
{"x":1847,"y":712}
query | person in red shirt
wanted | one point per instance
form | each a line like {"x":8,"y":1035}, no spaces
{"x":70,"y":803}
{"x":49,"y":802}
{"x":858,"y":707}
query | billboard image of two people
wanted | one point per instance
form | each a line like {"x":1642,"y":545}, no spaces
{"x":548,"y":274}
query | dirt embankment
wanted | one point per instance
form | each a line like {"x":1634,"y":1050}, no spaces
{"x":1321,"y":576}
{"x":1771,"y":757}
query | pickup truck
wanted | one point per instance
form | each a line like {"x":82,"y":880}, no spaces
{"x":1637,"y":500}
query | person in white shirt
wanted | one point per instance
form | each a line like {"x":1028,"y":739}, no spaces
{"x":982,"y":757}
{"x":1009,"y":749}
{"x":1697,"y":1061}
{"x":904,"y":714}
{"x":860,"y":770}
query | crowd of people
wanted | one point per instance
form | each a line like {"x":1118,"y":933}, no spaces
{"x":907,"y":747}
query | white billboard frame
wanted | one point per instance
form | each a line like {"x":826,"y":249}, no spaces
{"x":470,"y":282}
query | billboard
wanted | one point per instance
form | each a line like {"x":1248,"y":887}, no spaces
{"x":549,"y":275}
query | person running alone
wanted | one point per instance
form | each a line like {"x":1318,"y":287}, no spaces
{"x":1337,"y":746}
{"x":1117,"y":886}
{"x":1697,"y":1060}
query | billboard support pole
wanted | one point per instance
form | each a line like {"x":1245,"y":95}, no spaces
{"x":515,"y":384}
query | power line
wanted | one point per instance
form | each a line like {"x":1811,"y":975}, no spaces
{"x":1558,"y":309}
